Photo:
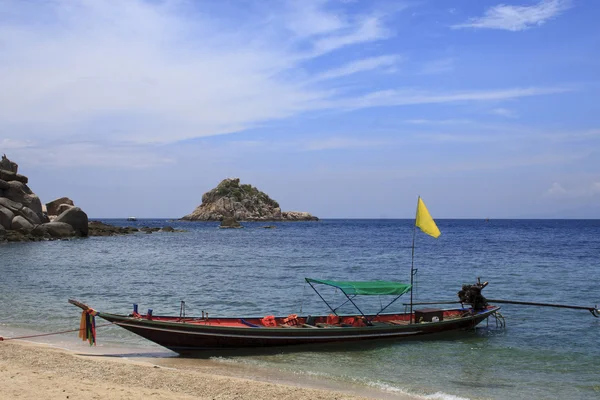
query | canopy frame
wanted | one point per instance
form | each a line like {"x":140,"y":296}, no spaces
{"x":401,"y":290}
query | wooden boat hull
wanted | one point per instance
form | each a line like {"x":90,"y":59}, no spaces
{"x":184,"y":337}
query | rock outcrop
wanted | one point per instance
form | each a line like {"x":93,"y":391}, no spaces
{"x":56,"y":207}
{"x":20,"y":208}
{"x":24,"y":218}
{"x":242,"y":203}
{"x":76,"y":218}
{"x":229,"y":222}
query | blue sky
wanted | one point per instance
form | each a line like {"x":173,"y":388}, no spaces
{"x":345,"y":109}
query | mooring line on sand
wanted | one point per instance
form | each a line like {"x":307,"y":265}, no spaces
{"x":3,"y":339}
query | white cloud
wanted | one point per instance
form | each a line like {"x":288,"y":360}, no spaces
{"x":100,"y":75}
{"x":161,"y":71}
{"x":438,"y":122}
{"x":11,"y":144}
{"x":354,"y":67}
{"x":369,"y":29}
{"x":336,"y":143}
{"x":504,"y":112}
{"x":405,"y":97}
{"x":556,"y":190}
{"x":574,"y":190}
{"x":517,"y":18}
{"x":85,"y":154}
{"x":437,"y":66}
{"x":307,"y":18}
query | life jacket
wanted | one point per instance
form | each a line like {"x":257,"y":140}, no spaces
{"x":333,"y":319}
{"x":269,"y":320}
{"x":291,"y":320}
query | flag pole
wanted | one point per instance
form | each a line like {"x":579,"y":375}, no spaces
{"x":412,"y":261}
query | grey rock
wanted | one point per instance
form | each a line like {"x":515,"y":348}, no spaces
{"x":40,"y":231}
{"x":297,"y":216}
{"x":11,"y":176}
{"x":21,"y":224}
{"x":52,"y":207}
{"x":22,"y":178}
{"x":19,"y":187}
{"x":63,"y":207}
{"x":4,"y":185}
{"x":229,"y":222}
{"x":6,"y":217}
{"x":76,"y":218}
{"x":11,"y":205}
{"x":21,"y":193}
{"x":58,"y":229}
{"x":30,"y":216}
{"x":8,"y":165}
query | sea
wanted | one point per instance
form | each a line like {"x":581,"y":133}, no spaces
{"x":540,"y":353}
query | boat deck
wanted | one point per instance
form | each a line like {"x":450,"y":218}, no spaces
{"x":296,"y":322}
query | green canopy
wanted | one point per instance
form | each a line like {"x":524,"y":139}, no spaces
{"x":368,"y":288}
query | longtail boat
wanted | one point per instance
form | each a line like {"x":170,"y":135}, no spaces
{"x":184,"y":334}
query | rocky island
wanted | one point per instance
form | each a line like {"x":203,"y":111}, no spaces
{"x":242,"y":202}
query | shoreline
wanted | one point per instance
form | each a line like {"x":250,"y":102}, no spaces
{"x":34,"y":370}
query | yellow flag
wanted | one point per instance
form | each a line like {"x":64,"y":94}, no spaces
{"x":425,"y":222}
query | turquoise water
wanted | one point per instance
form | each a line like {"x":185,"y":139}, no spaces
{"x":542,"y":354}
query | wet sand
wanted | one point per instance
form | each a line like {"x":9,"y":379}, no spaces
{"x":37,"y":371}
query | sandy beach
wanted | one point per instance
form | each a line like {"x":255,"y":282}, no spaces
{"x":37,"y":371}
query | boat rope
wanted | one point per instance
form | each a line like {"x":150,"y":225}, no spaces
{"x":302,"y":300}
{"x":49,"y":334}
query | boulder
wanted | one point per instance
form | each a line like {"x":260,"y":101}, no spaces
{"x":30,"y":216}
{"x":19,"y":187}
{"x":8,"y":165}
{"x":4,"y":185}
{"x":11,"y":176}
{"x":58,"y":229}
{"x":76,"y":218}
{"x":40,"y":231}
{"x":21,"y":193}
{"x":229,"y":222}
{"x":11,"y":205}
{"x":63,"y":207}
{"x":53,"y":206}
{"x":6,"y":217}
{"x":21,"y":224}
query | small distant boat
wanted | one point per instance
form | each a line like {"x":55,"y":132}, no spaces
{"x":131,"y":219}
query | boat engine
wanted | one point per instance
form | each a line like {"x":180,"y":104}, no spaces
{"x":471,"y":294}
